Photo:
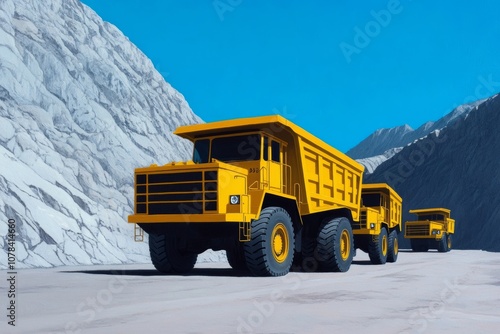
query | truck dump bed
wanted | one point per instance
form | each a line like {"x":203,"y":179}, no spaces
{"x":319,"y":176}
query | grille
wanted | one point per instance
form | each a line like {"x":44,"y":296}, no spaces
{"x":176,"y":193}
{"x":417,"y":229}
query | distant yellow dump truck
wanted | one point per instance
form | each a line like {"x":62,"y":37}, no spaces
{"x":432,"y":229}
{"x":259,"y":188}
{"x":377,"y":231}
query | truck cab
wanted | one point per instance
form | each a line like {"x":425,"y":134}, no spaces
{"x":433,"y":228}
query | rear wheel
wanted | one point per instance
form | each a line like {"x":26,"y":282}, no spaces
{"x":272,"y":245}
{"x":335,"y":245}
{"x":378,"y":247}
{"x":166,"y":255}
{"x":443,"y":244}
{"x":393,"y":244}
{"x":309,"y":262}
{"x":419,"y":245}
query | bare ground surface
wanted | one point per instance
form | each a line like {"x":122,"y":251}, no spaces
{"x":422,"y":293}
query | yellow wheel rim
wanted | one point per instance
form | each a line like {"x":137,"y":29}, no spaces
{"x":345,"y":245}
{"x":279,"y":243}
{"x":384,"y":245}
{"x":396,"y":246}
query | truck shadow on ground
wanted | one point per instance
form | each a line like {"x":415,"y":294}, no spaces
{"x":361,"y":262}
{"x":210,"y":272}
{"x":214,"y":272}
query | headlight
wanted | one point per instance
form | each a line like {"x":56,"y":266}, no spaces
{"x":234,"y":199}
{"x":372,"y":225}
{"x":434,"y":232}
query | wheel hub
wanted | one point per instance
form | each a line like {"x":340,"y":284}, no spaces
{"x":384,"y":245}
{"x":345,"y":245}
{"x":279,"y":240}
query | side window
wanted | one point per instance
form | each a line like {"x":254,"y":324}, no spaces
{"x":200,"y":153}
{"x":275,"y":151}
{"x":266,"y":149}
{"x":383,"y":201}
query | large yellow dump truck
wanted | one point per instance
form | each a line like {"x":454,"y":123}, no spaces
{"x":432,"y":229}
{"x":258,"y":188}
{"x":377,"y":231}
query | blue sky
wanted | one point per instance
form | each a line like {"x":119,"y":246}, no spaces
{"x":340,"y":69}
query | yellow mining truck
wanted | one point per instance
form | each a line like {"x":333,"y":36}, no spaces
{"x":377,"y":231}
{"x":432,"y":229}
{"x":259,"y":188}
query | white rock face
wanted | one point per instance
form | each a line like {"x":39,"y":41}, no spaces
{"x":372,"y":163}
{"x":80,"y":108}
{"x":456,"y":168}
{"x":385,"y":143}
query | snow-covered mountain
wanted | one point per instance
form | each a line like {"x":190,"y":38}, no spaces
{"x":456,"y":167}
{"x":80,"y":108}
{"x":384,"y":143}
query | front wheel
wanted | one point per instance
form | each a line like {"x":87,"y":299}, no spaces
{"x":236,"y":257}
{"x":392,"y":256}
{"x":449,"y":242}
{"x":166,"y":255}
{"x":335,"y":245}
{"x":378,"y":247}
{"x":443,"y":244}
{"x":272,"y":245}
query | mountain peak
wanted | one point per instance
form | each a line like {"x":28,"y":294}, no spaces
{"x":376,"y":148}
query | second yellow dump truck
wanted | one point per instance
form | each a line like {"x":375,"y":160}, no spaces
{"x":259,"y":188}
{"x":377,"y":231}
{"x":432,"y":229}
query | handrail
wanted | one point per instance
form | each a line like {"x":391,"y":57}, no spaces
{"x":297,"y":185}
{"x":250,"y":186}
{"x":287,"y":178}
{"x":268,"y":176}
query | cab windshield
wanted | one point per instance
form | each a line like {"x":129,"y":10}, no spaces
{"x":370,"y":200}
{"x":227,"y":149}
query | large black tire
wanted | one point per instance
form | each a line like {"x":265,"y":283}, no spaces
{"x":442,"y":245}
{"x":272,"y":246}
{"x":309,"y":262}
{"x":335,"y":245}
{"x":166,"y":256}
{"x":378,"y":247}
{"x":450,"y":243}
{"x":420,"y":245}
{"x":236,"y":257}
{"x":393,"y":251}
